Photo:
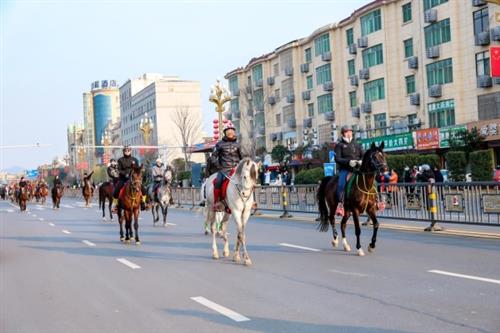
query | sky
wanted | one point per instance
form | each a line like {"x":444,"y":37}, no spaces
{"x":51,"y":51}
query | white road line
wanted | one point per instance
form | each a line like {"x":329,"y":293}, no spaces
{"x":348,"y":273}
{"x":34,"y":215}
{"x":67,"y":206}
{"x":128,"y":263}
{"x":299,"y":247}
{"x":220,"y":309}
{"x":471,"y":277}
{"x":66,"y":232}
{"x":171,"y":223}
{"x":41,"y":219}
{"x":86,"y":242}
{"x":52,"y":224}
{"x":10,"y":210}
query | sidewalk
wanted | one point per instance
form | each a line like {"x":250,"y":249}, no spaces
{"x":466,"y":230}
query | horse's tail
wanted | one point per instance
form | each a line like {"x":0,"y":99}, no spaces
{"x":323,"y":209}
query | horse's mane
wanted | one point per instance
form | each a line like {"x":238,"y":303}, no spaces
{"x":253,"y":170}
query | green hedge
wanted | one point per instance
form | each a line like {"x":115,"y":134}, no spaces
{"x":185,"y":175}
{"x":311,"y":176}
{"x":456,"y":163}
{"x":481,"y":165}
{"x":399,"y":162}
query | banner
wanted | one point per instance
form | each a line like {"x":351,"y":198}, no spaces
{"x":451,"y":132}
{"x":394,"y":142}
{"x":427,"y":138}
{"x":495,"y":61}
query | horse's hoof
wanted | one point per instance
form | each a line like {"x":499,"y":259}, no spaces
{"x":215,"y":255}
{"x":164,"y":225}
{"x":361,"y":253}
{"x":137,"y":242}
{"x":127,"y":241}
{"x":371,"y":249}
{"x":225,"y":254}
{"x":247,"y":262}
{"x":335,"y":242}
{"x":347,"y":247}
{"x":237,"y":258}
{"x":206,"y":232}
{"x":122,"y":239}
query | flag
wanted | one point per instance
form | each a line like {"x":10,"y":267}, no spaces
{"x":495,"y":61}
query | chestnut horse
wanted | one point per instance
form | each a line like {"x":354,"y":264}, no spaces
{"x":43,"y":192}
{"x":362,"y":197}
{"x":129,"y":202}
{"x":106,"y":192}
{"x":57,"y":193}
{"x":87,"y":190}
{"x":23,"y":198}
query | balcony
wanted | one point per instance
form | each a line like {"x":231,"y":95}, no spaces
{"x":354,"y":80}
{"x":355,"y":112}
{"x":271,"y":100}
{"x":307,"y":122}
{"x":415,"y":99}
{"x":363,"y":42}
{"x":270,"y":80}
{"x":413,"y":62}
{"x":482,"y":38}
{"x":290,"y":98}
{"x":259,"y":84}
{"x":353,"y":49}
{"x":326,"y":56}
{"x":430,"y":15}
{"x":484,"y":81}
{"x":478,"y":3}
{"x":289,"y":71}
{"x":366,"y":107}
{"x":292,"y":123}
{"x":328,"y":86}
{"x":432,"y":52}
{"x":495,"y":33}
{"x":304,"y":68}
{"x":306,"y":95}
{"x":364,"y":73}
{"x":329,"y":116}
{"x":435,"y":91}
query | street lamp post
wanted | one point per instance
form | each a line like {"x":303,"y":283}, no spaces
{"x":146,"y":126}
{"x":106,"y":141}
{"x":219,"y":95}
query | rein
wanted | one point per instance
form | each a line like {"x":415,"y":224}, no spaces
{"x":240,"y":189}
{"x":366,"y":191}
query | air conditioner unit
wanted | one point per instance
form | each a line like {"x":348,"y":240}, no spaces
{"x":329,"y":116}
{"x":430,"y":15}
{"x":432,"y":52}
{"x":304,"y":68}
{"x":363,"y":42}
{"x":354,"y":80}
{"x":271,"y":100}
{"x":328,"y":86}
{"x":413,"y":62}
{"x":289,"y":71}
{"x":353,"y":49}
{"x":307,"y":123}
{"x":270,"y":80}
{"x":484,"y":81}
{"x":355,"y":112}
{"x":326,"y":56}
{"x":290,"y":98}
{"x":306,"y":95}
{"x":415,"y":99}
{"x":366,"y":107}
{"x":482,"y":38}
{"x":495,"y":33}
{"x":364,"y":73}
{"x":259,"y":83}
{"x":478,"y":3}
{"x":435,"y":91}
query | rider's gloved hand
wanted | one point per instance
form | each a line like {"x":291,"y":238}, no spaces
{"x":353,"y":163}
{"x":359,"y":162}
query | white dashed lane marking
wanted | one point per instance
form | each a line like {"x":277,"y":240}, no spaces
{"x":220,"y":309}
{"x":128,"y":263}
{"x":463,"y":276}
{"x":299,"y":247}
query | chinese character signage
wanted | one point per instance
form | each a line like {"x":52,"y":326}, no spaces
{"x":489,"y":129}
{"x":329,"y":169}
{"x":427,"y":138}
{"x":453,"y":133}
{"x":402,"y":141}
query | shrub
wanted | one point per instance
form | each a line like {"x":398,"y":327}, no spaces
{"x":456,"y":163}
{"x":311,"y":176}
{"x":481,"y":165}
{"x":185,"y":175}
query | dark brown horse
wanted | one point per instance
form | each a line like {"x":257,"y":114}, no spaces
{"x":57,"y":193}
{"x":43,"y":192}
{"x":106,"y":192}
{"x":23,"y":198}
{"x":88,"y":189}
{"x":361,"y":197}
{"x":129,"y":203}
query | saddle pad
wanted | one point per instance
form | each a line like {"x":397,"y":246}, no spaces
{"x":350,"y":183}
{"x":225,"y":183}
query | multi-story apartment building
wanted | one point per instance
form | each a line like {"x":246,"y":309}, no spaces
{"x":161,"y":98}
{"x":392,"y":66}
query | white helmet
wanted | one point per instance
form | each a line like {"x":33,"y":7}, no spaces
{"x":159,"y":161}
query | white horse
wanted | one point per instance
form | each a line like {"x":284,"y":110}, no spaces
{"x":239,"y":199}
{"x":162,"y":199}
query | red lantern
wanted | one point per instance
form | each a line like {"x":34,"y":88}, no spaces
{"x":216,"y":136}
{"x":225,"y":121}
{"x":216,"y":121}
{"x":216,"y":126}
{"x":216,"y":131}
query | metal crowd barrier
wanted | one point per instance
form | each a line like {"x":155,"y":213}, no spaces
{"x":468,"y":203}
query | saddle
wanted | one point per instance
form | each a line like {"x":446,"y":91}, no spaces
{"x":225,"y":183}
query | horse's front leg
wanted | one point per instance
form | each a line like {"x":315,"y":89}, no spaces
{"x":343,"y":224}
{"x":110,"y":209}
{"x":357,"y":228}
{"x":244,"y":219}
{"x":372,"y":213}
{"x":164,"y":210}
{"x":120,"y":222}
{"x":222,"y":230}
{"x":335,"y":236}
{"x":136,"y":226}
{"x":211,"y":220}
{"x":153,"y":213}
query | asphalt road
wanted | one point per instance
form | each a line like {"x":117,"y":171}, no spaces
{"x":66,"y":271}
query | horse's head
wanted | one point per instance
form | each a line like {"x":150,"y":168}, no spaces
{"x":136,"y":177}
{"x":168,"y":176}
{"x":246,"y":172}
{"x":374,"y":159}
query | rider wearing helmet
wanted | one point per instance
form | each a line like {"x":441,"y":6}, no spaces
{"x":125,"y":164}
{"x":22,"y":184}
{"x":157,"y":172}
{"x":348,"y":155}
{"x":226,"y":156}
{"x":112,"y":171}
{"x":57,"y":181}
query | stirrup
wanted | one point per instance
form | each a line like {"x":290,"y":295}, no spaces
{"x":340,"y":211}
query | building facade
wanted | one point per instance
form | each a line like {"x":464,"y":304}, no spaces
{"x":391,"y":67}
{"x":160,"y":98}
{"x":75,"y":137}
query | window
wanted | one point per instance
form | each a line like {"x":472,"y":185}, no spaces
{"x":350,"y":67}
{"x":258,"y":99}
{"x":481,"y":21}
{"x":309,"y":81}
{"x":373,"y":56}
{"x":235,"y":105}
{"x":380,"y":124}
{"x":349,"y":36}
{"x":412,"y":119}
{"x":437,"y":33}
{"x":276,"y":69}
{"x":371,"y":22}
{"x":374,"y":90}
{"x":410,"y":84}
{"x":441,"y":113}
{"x":308,"y":55}
{"x":257,"y":73}
{"x":483,"y":63}
{"x":440,"y":72}
{"x":310,"y":110}
{"x":323,"y":74}
{"x":368,"y":123}
{"x":277,"y":94}
{"x":428,"y":4}
{"x":278,"y":120}
{"x":406,"y":12}
{"x":325,"y":103}
{"x":353,"y":99}
{"x":408,"y":45}
{"x":322,"y":44}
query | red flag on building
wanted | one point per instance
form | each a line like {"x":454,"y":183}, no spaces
{"x":495,"y":61}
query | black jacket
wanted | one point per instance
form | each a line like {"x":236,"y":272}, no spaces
{"x":345,"y":152}
{"x":125,"y":166}
{"x":22,"y":183}
{"x":226,"y":154}
{"x":57,"y":182}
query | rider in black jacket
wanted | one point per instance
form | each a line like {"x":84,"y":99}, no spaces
{"x":125,"y":164}
{"x":226,"y":156}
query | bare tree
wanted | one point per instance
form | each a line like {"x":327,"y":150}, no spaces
{"x":189,"y":127}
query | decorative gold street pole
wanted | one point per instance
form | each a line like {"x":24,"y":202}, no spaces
{"x":106,"y":141}
{"x":219,"y":95}
{"x":146,"y":126}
